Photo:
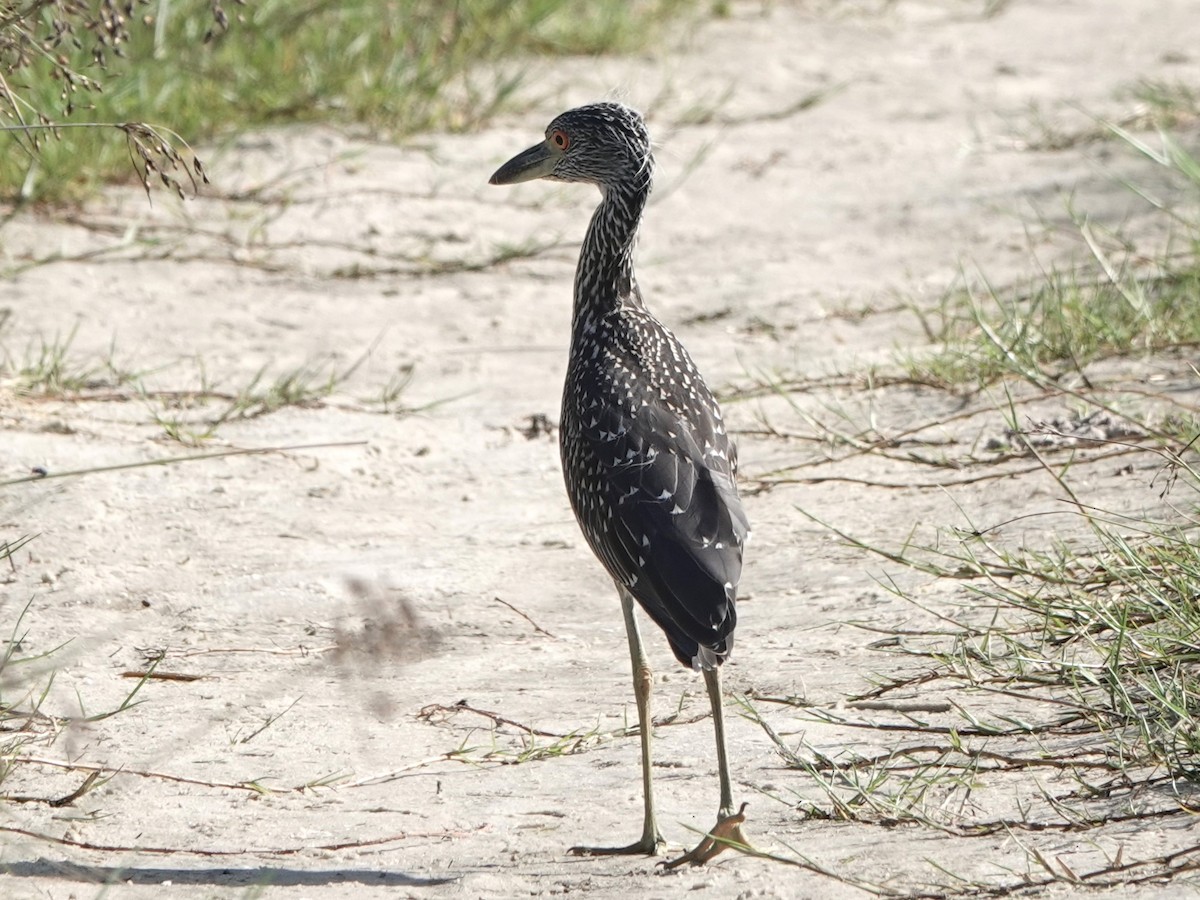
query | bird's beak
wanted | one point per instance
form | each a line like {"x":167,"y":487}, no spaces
{"x":536,"y":162}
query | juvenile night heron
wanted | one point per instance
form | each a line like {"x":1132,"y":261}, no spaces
{"x":649,"y":466}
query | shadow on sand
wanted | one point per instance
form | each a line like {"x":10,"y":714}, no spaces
{"x":223,"y":875}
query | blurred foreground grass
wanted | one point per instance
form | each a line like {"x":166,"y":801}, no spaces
{"x":394,"y":68}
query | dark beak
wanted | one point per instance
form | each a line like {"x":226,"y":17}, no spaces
{"x":536,"y":162}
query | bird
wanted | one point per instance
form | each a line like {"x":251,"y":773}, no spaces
{"x":648,"y":462}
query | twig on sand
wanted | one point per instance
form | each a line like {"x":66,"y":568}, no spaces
{"x":536,"y":627}
{"x":171,"y":460}
{"x":428,"y":712}
{"x":249,"y":851}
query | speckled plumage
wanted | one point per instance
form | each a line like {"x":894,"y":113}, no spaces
{"x":649,"y":466}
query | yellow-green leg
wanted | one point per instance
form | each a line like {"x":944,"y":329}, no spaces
{"x":651,"y":843}
{"x":712,"y":681}
{"x":729,"y":823}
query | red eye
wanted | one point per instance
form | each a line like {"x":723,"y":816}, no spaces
{"x":559,"y":139}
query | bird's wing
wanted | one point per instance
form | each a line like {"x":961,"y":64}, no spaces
{"x":679,"y":525}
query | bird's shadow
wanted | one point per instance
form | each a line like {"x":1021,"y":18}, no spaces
{"x":215,"y":875}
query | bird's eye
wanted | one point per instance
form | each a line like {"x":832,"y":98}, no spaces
{"x":559,"y":139}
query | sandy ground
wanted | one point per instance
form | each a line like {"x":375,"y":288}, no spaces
{"x":338,"y":603}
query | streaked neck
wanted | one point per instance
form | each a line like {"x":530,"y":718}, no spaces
{"x":604,"y":277}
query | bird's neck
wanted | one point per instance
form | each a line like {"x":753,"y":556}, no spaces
{"x":604,"y":278}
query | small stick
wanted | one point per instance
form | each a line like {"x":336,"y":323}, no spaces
{"x":251,"y":786}
{"x":250,"y":851}
{"x":163,"y":676}
{"x":171,"y":460}
{"x":274,"y":651}
{"x":901,"y":706}
{"x":536,"y":626}
{"x":427,"y":712}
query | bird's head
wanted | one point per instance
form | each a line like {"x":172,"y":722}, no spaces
{"x":605,"y":144}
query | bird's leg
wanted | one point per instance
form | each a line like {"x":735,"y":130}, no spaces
{"x":729,"y":824}
{"x":651,"y":843}
{"x":712,"y":681}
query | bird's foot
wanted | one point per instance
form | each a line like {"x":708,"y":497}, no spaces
{"x":650,"y":845}
{"x":726,"y":833}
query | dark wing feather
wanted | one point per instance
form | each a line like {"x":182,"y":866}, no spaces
{"x":677,"y":527}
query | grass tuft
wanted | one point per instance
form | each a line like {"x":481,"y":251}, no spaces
{"x":1059,"y":325}
{"x":395,"y":69}
{"x":1126,"y":303}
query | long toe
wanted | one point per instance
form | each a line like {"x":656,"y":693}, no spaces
{"x":725,"y":834}
{"x":649,"y":845}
